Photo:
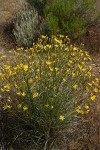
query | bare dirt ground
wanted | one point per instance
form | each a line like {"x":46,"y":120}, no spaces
{"x":8,"y":9}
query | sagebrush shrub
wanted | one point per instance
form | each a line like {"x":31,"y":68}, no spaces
{"x":47,"y":86}
{"x":26,"y":27}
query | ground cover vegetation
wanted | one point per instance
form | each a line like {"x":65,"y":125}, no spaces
{"x":47,"y":83}
{"x":47,"y":87}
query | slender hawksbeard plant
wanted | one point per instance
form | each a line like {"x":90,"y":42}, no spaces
{"x":47,"y":86}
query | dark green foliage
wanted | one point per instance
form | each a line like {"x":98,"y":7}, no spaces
{"x":39,"y":5}
{"x":68,"y":17}
{"x":65,"y":16}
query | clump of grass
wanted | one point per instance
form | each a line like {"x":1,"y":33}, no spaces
{"x":47,"y":86}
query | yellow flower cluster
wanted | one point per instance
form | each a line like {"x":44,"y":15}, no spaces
{"x":81,"y":111}
{"x":56,"y":69}
{"x":61,"y":117}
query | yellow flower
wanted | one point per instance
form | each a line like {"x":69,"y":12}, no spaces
{"x":64,"y":79}
{"x":90,"y":68}
{"x":75,"y":86}
{"x":16,"y":86}
{"x":25,"y":67}
{"x":95,"y":83}
{"x":51,"y":69}
{"x":86,"y":106}
{"x":1,"y":74}
{"x":18,"y":93}
{"x":35,"y":95}
{"x":75,"y":48}
{"x":70,"y":62}
{"x":86,"y":112}
{"x":89,"y":84}
{"x":3,"y":56}
{"x":21,"y":48}
{"x":77,"y":73}
{"x":9,"y":99}
{"x":81,"y":53}
{"x":61,"y":117}
{"x":73,"y":54}
{"x":36,"y":77}
{"x":10,"y":72}
{"x":68,"y":70}
{"x":82,"y":62}
{"x":96,"y":90}
{"x":87,"y":88}
{"x":19,"y":105}
{"x":6,"y":67}
{"x":9,"y":52}
{"x":79,"y":110}
{"x":47,"y":105}
{"x":23,"y":93}
{"x":84,"y":59}
{"x":43,"y":37}
{"x":49,"y":46}
{"x":48,"y":62}
{"x":2,"y":90}
{"x":7,"y":86}
{"x":52,"y":107}
{"x":73,"y":74}
{"x":45,"y":47}
{"x":31,"y":63}
{"x":18,"y":49}
{"x":87,"y":54}
{"x":93,"y":75}
{"x":7,"y":107}
{"x":25,"y":108}
{"x":97,"y":80}
{"x":57,"y":41}
{"x":80,"y":67}
{"x":56,"y":69}
{"x":92,"y":97}
{"x":61,"y":36}
{"x":30,"y":80}
{"x":83,"y":69}
{"x":32,"y":49}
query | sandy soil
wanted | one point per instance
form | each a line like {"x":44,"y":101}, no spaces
{"x":8,"y":8}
